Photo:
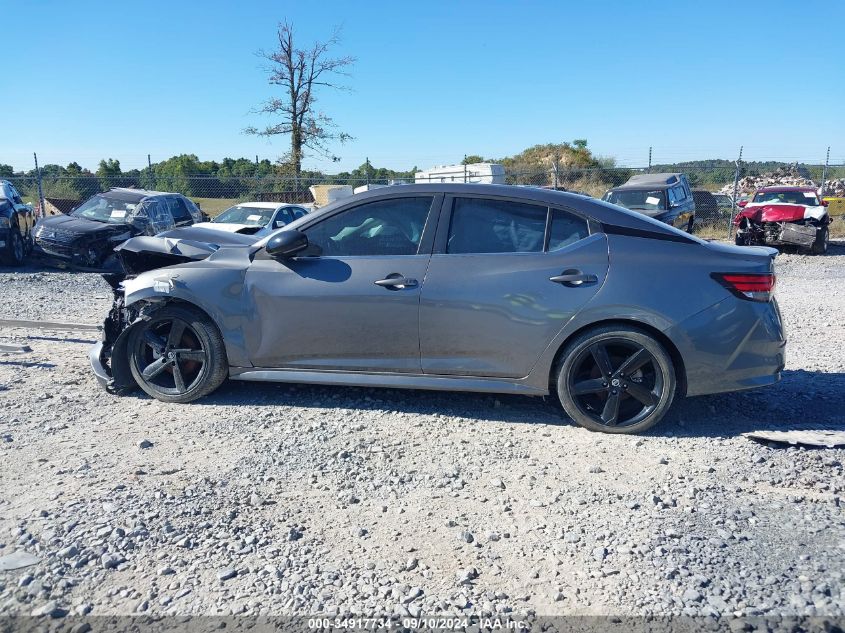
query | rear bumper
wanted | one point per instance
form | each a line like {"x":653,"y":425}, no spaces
{"x":731,"y":346}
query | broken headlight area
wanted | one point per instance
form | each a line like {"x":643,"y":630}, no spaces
{"x":108,"y":358}
{"x":801,"y":234}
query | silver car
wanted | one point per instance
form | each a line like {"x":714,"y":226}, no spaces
{"x":486,"y":288}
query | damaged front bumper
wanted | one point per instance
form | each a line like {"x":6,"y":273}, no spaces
{"x":109,"y":358}
{"x":779,"y":234}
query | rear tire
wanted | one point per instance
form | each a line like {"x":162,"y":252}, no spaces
{"x":616,"y":379}
{"x":822,"y":240}
{"x":178,"y":355}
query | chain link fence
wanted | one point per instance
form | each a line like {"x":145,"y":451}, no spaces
{"x":713,"y":185}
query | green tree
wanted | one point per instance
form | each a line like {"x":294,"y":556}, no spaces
{"x":6,"y":171}
{"x":109,"y":167}
{"x":300,"y":73}
{"x":472,"y":158}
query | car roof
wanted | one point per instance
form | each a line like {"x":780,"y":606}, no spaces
{"x":140,"y":194}
{"x":594,"y":208}
{"x":265,"y":205}
{"x":780,"y":188}
{"x":659,"y":181}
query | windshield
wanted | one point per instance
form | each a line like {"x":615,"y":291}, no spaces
{"x":639,"y":200}
{"x":102,"y":208}
{"x":787,"y":197}
{"x":251,"y":216}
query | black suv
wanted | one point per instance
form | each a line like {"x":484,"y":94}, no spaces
{"x":85,"y":239}
{"x":664,"y":197}
{"x":15,"y":225}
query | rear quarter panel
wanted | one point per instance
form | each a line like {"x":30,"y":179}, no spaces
{"x":659,"y":284}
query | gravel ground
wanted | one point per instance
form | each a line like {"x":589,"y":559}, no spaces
{"x":276,"y":499}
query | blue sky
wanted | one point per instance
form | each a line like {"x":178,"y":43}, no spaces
{"x":434,"y":80}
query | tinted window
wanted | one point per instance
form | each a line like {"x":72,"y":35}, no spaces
{"x":566,"y":229}
{"x":283,"y":216}
{"x":385,"y":227}
{"x":178,"y":210}
{"x":496,"y":226}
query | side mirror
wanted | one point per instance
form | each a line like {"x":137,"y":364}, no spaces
{"x":742,"y":203}
{"x":286,"y":244}
{"x":825,"y":203}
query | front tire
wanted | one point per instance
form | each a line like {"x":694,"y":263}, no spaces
{"x":822,"y":240}
{"x":616,"y":379}
{"x":15,"y":249}
{"x":177,"y":355}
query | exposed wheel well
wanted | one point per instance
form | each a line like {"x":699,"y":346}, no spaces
{"x":187,"y":304}
{"x":677,"y":360}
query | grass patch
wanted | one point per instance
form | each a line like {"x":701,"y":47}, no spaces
{"x":215,"y":206}
{"x":711,"y":231}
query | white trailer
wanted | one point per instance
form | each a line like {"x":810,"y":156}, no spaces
{"x":486,"y":173}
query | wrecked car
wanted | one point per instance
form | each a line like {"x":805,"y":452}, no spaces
{"x":664,"y":197}
{"x":85,"y":239}
{"x":461,"y":287}
{"x":255,"y":218}
{"x":784,"y":216}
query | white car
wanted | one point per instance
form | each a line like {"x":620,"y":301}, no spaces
{"x":255,"y":218}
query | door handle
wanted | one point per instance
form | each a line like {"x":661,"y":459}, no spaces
{"x":573,"y":278}
{"x":396,"y":282}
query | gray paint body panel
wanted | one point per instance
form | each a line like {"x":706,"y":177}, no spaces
{"x":479,"y":322}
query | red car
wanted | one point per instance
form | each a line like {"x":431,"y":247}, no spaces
{"x":784,"y":216}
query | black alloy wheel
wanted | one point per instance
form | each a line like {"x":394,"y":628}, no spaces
{"x":616,"y":380}
{"x":178,"y":355}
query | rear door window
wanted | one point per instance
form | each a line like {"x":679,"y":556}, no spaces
{"x":566,"y":229}
{"x":481,"y":225}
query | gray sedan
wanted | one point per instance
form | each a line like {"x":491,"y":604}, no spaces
{"x":486,"y":288}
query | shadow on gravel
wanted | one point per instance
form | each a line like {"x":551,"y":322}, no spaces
{"x":25,"y":363}
{"x":803,"y":399}
{"x":59,"y":339}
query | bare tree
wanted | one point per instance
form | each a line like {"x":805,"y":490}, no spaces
{"x":300,"y":73}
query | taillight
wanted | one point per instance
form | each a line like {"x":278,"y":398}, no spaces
{"x":752,"y":286}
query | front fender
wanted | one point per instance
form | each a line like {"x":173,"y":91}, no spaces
{"x":219,"y":296}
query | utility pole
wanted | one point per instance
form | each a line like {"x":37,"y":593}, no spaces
{"x":736,"y":187}
{"x":367,"y":169}
{"x":465,"y":168}
{"x":150,"y":184}
{"x":649,"y":160}
{"x":42,"y":211}
{"x":824,"y":171}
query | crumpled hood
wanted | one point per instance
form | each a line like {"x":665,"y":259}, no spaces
{"x":186,"y":244}
{"x":774,"y":212}
{"x":79,"y":226}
